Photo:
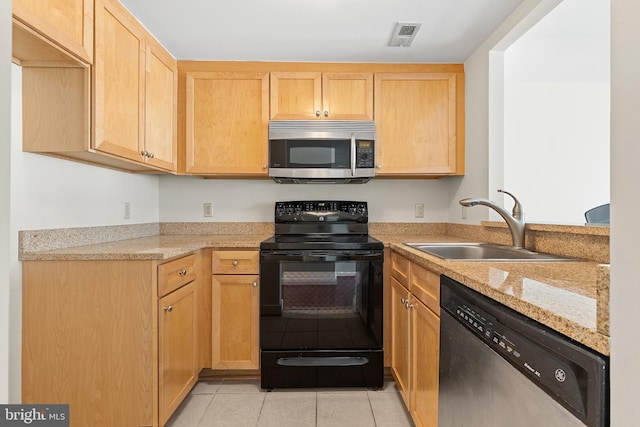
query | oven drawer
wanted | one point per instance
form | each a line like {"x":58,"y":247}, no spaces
{"x":235,"y":262}
{"x":175,"y":274}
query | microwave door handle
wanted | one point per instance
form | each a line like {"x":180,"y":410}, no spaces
{"x":353,"y":154}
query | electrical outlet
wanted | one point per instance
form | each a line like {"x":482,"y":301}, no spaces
{"x":419,"y":210}
{"x":207,"y":209}
{"x":464,"y":212}
{"x":127,"y":210}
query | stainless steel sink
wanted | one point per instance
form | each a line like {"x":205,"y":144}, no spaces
{"x":483,"y":252}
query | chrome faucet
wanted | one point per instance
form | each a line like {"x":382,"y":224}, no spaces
{"x":515,"y":220}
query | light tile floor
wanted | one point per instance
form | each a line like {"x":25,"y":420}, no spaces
{"x":241,"y":402}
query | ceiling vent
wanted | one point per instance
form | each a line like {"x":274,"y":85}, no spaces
{"x":403,"y":34}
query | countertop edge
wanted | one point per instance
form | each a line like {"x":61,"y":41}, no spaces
{"x":590,"y":337}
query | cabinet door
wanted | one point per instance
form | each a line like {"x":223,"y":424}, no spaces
{"x":177,"y":348}
{"x":425,"y":349}
{"x":400,"y":338}
{"x":161,"y":107}
{"x":118,"y":82}
{"x":235,"y":314}
{"x":296,"y":96}
{"x":227,"y":118}
{"x":67,"y":22}
{"x":347,"y":96}
{"x":416,"y":124}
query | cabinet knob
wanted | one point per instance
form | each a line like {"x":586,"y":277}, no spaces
{"x":326,"y":113}
{"x":235,"y":263}
{"x":378,"y":166}
{"x":254,"y":284}
{"x":144,"y":153}
{"x":408,"y":305}
{"x":264,"y":166}
{"x":318,"y":113}
{"x":183,"y":272}
{"x":168,"y":308}
{"x":151,"y":155}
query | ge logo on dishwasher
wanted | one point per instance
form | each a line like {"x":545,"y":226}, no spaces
{"x":561,"y":375}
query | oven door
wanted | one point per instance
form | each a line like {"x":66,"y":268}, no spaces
{"x":321,"y":300}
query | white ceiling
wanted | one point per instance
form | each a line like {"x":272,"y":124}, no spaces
{"x":320,"y":30}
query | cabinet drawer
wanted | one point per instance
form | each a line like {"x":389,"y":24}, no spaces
{"x":425,"y":285}
{"x":400,"y":269}
{"x":174,"y":274}
{"x":235,"y":262}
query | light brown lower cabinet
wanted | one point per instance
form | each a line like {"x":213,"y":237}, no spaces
{"x":235,"y":310}
{"x":116,"y":340}
{"x":177,"y":350}
{"x":415,"y":342}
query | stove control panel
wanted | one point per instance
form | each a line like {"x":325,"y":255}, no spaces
{"x":321,"y":211}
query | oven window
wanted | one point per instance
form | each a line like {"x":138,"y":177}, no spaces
{"x":325,"y":289}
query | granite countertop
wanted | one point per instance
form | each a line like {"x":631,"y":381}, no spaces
{"x":160,"y":247}
{"x":566,"y":296}
{"x":561,"y":295}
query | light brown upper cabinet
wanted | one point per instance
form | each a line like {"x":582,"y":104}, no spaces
{"x":161,"y":107}
{"x":68,"y":23}
{"x":227,"y":118}
{"x":321,"y":96}
{"x":134,"y":82}
{"x":419,"y":124}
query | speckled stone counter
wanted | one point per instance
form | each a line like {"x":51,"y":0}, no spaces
{"x":148,"y":248}
{"x":570,"y":297}
{"x":562,"y":295}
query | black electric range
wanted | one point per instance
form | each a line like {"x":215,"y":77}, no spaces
{"x":321,"y":297}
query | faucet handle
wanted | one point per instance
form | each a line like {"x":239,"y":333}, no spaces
{"x":517,"y":207}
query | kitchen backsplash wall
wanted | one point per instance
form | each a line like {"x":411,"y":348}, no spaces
{"x":390,"y":200}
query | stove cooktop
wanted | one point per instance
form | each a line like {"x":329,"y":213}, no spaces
{"x":321,"y":225}
{"x":322,"y":242}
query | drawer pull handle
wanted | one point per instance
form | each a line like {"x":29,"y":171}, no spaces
{"x":254,"y":284}
{"x":235,"y":263}
{"x":168,"y":308}
{"x":183,"y":272}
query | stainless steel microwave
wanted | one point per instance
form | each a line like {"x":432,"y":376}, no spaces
{"x":322,"y":151}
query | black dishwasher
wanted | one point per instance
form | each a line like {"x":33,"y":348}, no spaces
{"x":499,"y":368}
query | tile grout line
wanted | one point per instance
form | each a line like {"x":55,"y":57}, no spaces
{"x":373,"y":414}
{"x":210,"y":403}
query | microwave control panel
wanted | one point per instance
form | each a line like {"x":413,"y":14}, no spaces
{"x":364,"y":154}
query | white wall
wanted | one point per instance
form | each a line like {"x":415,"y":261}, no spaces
{"x":556,"y":113}
{"x":625,"y":205}
{"x":46,"y":192}
{"x":5,"y":152}
{"x":484,"y":115}
{"x":181,"y":198}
